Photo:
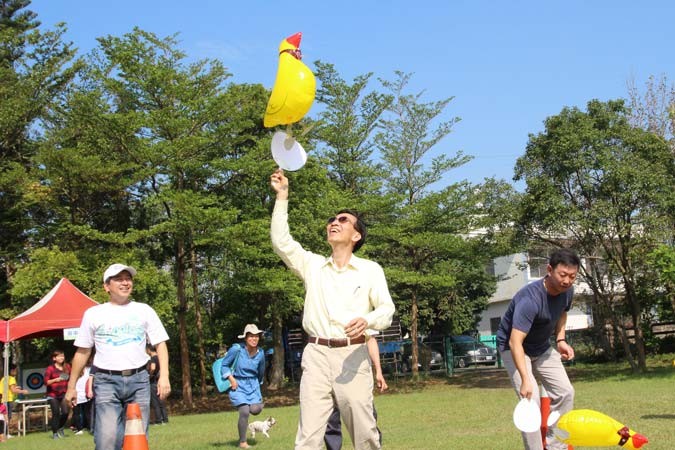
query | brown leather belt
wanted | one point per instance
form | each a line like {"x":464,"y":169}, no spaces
{"x":335,"y":342}
{"x":124,"y":373}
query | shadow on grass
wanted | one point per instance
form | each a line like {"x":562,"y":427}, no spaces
{"x":233,"y":443}
{"x":658,"y":416}
{"x":492,"y":378}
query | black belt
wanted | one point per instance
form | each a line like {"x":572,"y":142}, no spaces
{"x":334,"y":342}
{"x":124,"y":373}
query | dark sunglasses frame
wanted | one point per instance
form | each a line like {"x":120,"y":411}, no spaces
{"x":341,"y":219}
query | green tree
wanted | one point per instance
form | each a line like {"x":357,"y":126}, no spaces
{"x":653,"y":110}
{"x":605,"y":188}
{"x":662,"y":259}
{"x":435,"y":271}
{"x":36,"y":67}
{"x":252,"y":283}
{"x":347,"y":128}
{"x":142,"y":134}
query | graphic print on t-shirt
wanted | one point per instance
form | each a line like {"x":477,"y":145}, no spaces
{"x":117,"y":335}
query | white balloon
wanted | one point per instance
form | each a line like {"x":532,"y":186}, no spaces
{"x":527,"y":416}
{"x":287,"y":152}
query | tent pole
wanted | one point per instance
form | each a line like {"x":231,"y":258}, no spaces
{"x":5,"y":383}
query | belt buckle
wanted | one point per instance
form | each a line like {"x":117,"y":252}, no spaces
{"x":126,"y":373}
{"x":328,"y":344}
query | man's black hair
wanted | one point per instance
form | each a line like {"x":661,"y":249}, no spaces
{"x":360,"y":226}
{"x":564,"y":256}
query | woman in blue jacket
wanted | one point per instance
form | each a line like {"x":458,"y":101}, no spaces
{"x":246,"y":378}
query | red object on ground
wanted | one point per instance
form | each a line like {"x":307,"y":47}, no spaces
{"x":545,"y":412}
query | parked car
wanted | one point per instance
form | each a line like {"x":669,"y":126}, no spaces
{"x":469,"y":351}
{"x":430,"y":356}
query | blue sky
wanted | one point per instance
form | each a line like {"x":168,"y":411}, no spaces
{"x":509,"y":65}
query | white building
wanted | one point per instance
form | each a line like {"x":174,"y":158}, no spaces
{"x":517,"y":270}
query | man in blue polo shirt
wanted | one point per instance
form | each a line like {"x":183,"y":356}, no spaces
{"x":538,"y":311}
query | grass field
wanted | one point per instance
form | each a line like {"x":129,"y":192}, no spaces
{"x":467,"y":411}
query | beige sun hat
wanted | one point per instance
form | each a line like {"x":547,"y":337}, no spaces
{"x":250,"y":328}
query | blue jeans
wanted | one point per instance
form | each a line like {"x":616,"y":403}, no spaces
{"x":112,"y":394}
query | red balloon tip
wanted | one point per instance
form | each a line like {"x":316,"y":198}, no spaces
{"x":639,"y":440}
{"x":295,"y":39}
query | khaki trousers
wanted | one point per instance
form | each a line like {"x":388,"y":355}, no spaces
{"x":344,"y":376}
{"x":547,"y":369}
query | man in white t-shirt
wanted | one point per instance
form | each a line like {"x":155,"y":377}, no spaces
{"x":118,"y":331}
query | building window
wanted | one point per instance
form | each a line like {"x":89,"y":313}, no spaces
{"x":494,"y":324}
{"x":537,"y":267}
{"x":537,"y":260}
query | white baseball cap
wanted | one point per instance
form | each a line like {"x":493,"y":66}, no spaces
{"x":116,"y":269}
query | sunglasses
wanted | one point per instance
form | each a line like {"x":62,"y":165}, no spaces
{"x":341,"y":219}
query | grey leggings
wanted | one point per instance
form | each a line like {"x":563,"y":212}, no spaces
{"x":244,"y":412}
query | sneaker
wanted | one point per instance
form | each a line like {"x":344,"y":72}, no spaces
{"x":62,"y":433}
{"x":56,"y":436}
{"x":79,"y":432}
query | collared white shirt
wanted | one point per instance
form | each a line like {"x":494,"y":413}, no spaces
{"x":334,"y":296}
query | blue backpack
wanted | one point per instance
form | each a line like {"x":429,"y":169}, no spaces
{"x":223,"y":384}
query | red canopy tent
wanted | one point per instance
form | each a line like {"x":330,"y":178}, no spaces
{"x":63,"y":307}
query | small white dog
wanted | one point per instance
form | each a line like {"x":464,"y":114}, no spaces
{"x":262,"y":426}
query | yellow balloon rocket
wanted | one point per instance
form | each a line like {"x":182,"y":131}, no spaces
{"x":588,"y":428}
{"x":294,"y":88}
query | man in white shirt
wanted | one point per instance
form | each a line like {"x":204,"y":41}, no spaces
{"x":345,"y":295}
{"x":118,"y":330}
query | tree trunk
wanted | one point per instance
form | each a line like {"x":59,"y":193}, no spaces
{"x":277,"y":372}
{"x":621,"y":327}
{"x":182,"y":324}
{"x":635,"y":309}
{"x":413,"y":336}
{"x":198,"y":321}
{"x":600,"y":321}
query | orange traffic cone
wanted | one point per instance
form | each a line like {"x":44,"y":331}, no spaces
{"x":134,"y":434}
{"x":545,"y":403}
